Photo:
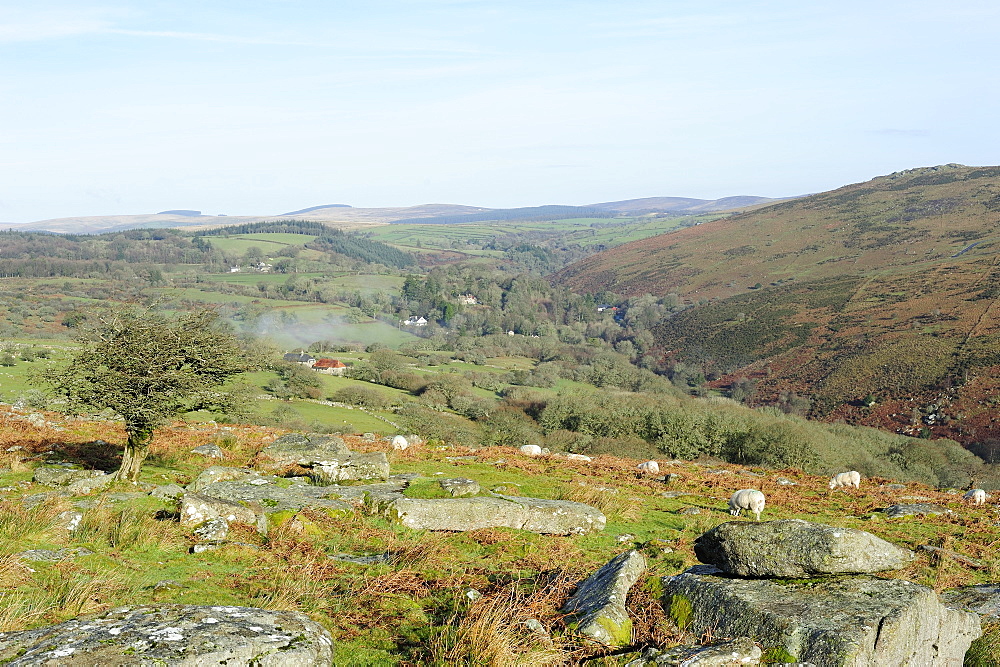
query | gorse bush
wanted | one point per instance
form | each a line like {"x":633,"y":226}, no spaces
{"x":639,"y":426}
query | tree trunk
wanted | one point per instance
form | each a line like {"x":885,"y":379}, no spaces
{"x":136,"y":448}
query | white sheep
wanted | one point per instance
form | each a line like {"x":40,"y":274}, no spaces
{"x":977,"y":496}
{"x":400,"y":443}
{"x":578,"y":457}
{"x":747,"y":499}
{"x":531,"y":450}
{"x":848,"y":479}
{"x":651,"y":467}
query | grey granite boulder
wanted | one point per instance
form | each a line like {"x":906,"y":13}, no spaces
{"x":599,"y":601}
{"x":167,"y":492}
{"x":460,"y":486}
{"x":834,"y":621}
{"x":175,"y":635}
{"x":262,"y":492}
{"x":739,"y":651}
{"x":214,"y":474}
{"x":87,"y":485}
{"x":196,"y":509}
{"x":212,"y":530}
{"x":63,"y":474}
{"x":556,"y":517}
{"x":795,"y":548}
{"x":916,"y":509}
{"x":209,"y":450}
{"x":983,"y":599}
{"x":328,"y":458}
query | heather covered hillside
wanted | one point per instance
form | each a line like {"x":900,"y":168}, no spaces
{"x":875,"y":302}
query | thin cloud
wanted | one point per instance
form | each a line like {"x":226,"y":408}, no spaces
{"x":897,"y":132}
{"x":46,"y":27}
{"x":206,"y":37}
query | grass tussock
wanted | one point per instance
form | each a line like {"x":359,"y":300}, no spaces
{"x":491,"y":631}
{"x":617,"y":506}
{"x":128,"y":528}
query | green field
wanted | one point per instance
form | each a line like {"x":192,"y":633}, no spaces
{"x":468,"y":237}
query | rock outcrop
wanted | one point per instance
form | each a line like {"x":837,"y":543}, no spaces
{"x":835,"y":621}
{"x":328,"y":458}
{"x":795,"y":548}
{"x":556,"y":517}
{"x":916,"y":509}
{"x":176,"y":635}
{"x":599,"y":601}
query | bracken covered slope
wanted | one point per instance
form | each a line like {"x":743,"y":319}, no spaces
{"x":885,"y":289}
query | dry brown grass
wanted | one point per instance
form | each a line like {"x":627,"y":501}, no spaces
{"x":491,"y":632}
{"x":612,"y":502}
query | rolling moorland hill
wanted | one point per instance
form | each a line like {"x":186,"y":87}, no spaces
{"x":876,"y":300}
{"x":343,"y":216}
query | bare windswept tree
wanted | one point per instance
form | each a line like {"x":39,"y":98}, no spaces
{"x":148,"y":367}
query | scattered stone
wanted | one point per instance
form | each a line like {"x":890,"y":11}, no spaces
{"x":370,"y":559}
{"x":215,"y":474}
{"x":895,"y":487}
{"x":719,"y":471}
{"x":623,"y":539}
{"x":174,"y":635}
{"x":272,"y":498}
{"x":53,"y":556}
{"x":916,"y":498}
{"x":210,"y":450}
{"x":599,"y":601}
{"x":983,"y":599}
{"x":954,"y":555}
{"x":740,"y":651}
{"x":472,"y":595}
{"x":168,"y":492}
{"x":858,"y":620}
{"x":531,"y":450}
{"x":196,"y":509}
{"x":213,"y":530}
{"x":124,"y":497}
{"x":90,"y":484}
{"x":672,"y":494}
{"x":918,"y":509}
{"x":460,"y":486}
{"x":167,"y":585}
{"x":690,"y":510}
{"x":556,"y":517}
{"x":578,"y":457}
{"x":328,"y":457}
{"x":796,"y":548}
{"x":62,"y":474}
{"x":69,"y":520}
{"x":535,"y":625}
{"x":369,"y":437}
{"x":751,"y":473}
{"x":784,"y":481}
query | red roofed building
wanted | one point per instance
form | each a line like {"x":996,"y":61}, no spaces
{"x":330,"y":366}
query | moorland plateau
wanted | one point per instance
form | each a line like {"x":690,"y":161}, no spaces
{"x":854,"y":329}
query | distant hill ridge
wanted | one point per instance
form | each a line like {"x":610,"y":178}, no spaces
{"x":344,"y":216}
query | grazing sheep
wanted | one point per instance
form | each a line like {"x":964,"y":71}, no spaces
{"x":848,"y":479}
{"x":577,"y":457}
{"x":400,"y":443}
{"x":977,"y":496}
{"x":747,"y":499}
{"x":531,"y":450}
{"x":651,"y":467}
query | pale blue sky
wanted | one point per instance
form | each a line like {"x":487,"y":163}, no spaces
{"x":261,"y":107}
